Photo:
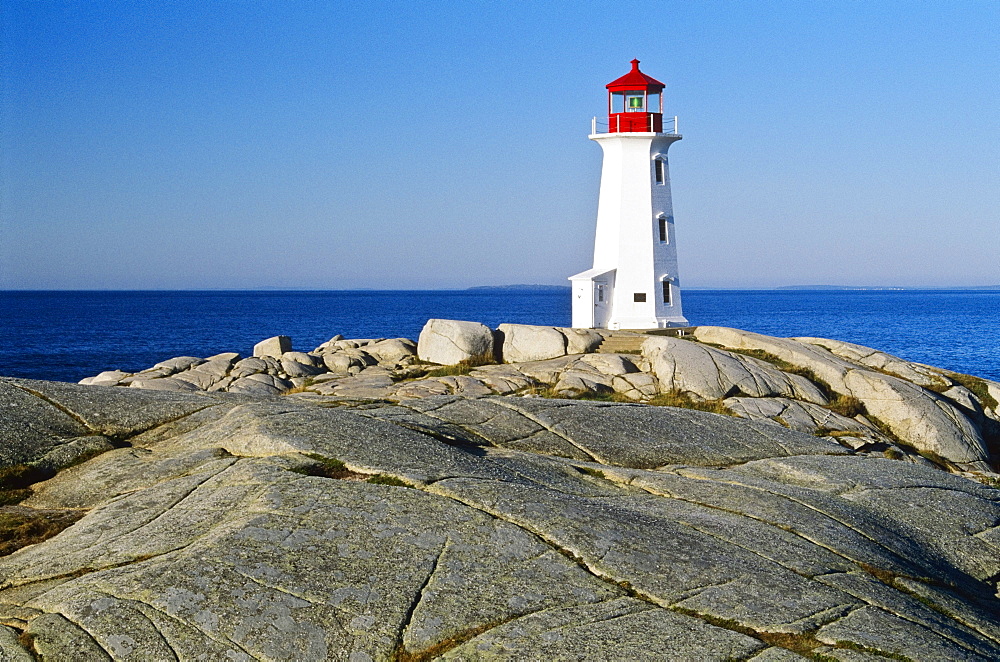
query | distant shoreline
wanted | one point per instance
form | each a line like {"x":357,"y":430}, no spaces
{"x":828,"y":288}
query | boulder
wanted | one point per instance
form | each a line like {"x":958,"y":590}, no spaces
{"x":993,"y":388}
{"x":294,"y":368}
{"x":524,"y":342}
{"x":178,"y":363}
{"x":581,"y":341}
{"x":221,"y":385}
{"x":302,"y":357}
{"x":392,"y":351}
{"x":274,"y":346}
{"x":338,"y":362}
{"x":449,"y":342}
{"x":329,"y":343}
{"x":464,"y":385}
{"x":165,"y":384}
{"x":206,"y":375}
{"x":802,"y":416}
{"x":373,"y":382}
{"x":201,"y":379}
{"x":148,"y":373}
{"x":609,"y":364}
{"x":248,"y":366}
{"x":232,"y":357}
{"x":710,"y":374}
{"x":967,"y":400}
{"x":218,"y":367}
{"x":260,"y":384}
{"x":636,"y":386}
{"x":422,"y":388}
{"x":108,"y":378}
{"x":920,"y":375}
{"x":577,"y":382}
{"x":503,"y":379}
{"x":921,"y":418}
{"x":273,"y":365}
{"x":548,"y":371}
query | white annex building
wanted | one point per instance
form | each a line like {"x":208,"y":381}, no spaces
{"x":634,"y":282}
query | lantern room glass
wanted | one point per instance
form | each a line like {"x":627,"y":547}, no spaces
{"x":617,"y":102}
{"x":653,"y":103}
{"x":635,"y":101}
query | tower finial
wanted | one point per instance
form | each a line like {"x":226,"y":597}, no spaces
{"x":635,"y":65}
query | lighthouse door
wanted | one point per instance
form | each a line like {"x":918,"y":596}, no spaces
{"x":602,"y":303}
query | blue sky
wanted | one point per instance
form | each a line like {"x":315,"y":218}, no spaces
{"x":433,"y":145}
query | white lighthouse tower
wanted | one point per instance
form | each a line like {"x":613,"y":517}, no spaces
{"x":634,"y":282}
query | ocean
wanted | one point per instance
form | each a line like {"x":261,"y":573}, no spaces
{"x":68,"y":335}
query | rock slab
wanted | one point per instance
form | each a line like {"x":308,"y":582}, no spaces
{"x":483,"y":528}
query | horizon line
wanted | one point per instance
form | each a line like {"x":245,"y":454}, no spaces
{"x":522,"y":287}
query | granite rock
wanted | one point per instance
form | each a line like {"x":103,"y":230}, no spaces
{"x":273,"y":347}
{"x":925,"y":419}
{"x":523,"y":342}
{"x":710,"y":374}
{"x":449,"y":342}
{"x":219,"y":528}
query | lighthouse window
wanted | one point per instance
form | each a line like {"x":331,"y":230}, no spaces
{"x":660,"y":174}
{"x":663,"y":229}
{"x":617,"y":102}
{"x":666,"y":292}
{"x":639,"y":297}
{"x":653,"y":98}
{"x":635,"y":103}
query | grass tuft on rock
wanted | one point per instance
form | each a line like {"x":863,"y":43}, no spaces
{"x":21,"y":475}
{"x":978,"y":387}
{"x":15,"y":482}
{"x":847,"y":406}
{"x":599,"y":397}
{"x":988,"y":481}
{"x":549,"y":392}
{"x":460,"y":368}
{"x":301,"y":388}
{"x":326,"y":467}
{"x":11,"y":497}
{"x":594,"y":473}
{"x":392,"y":481}
{"x":27,"y":640}
{"x":677,"y":398}
{"x":893,"y":453}
{"x":23,"y":528}
{"x":832,"y":432}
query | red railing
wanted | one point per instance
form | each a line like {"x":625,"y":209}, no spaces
{"x":635,"y":123}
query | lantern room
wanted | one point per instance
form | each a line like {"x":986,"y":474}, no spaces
{"x":635,"y":103}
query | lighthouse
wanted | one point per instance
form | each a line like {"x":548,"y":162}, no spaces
{"x":634,"y":282}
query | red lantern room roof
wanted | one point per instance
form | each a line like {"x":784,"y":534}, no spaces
{"x":635,"y":80}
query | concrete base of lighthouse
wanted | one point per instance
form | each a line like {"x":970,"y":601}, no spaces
{"x":593,"y":293}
